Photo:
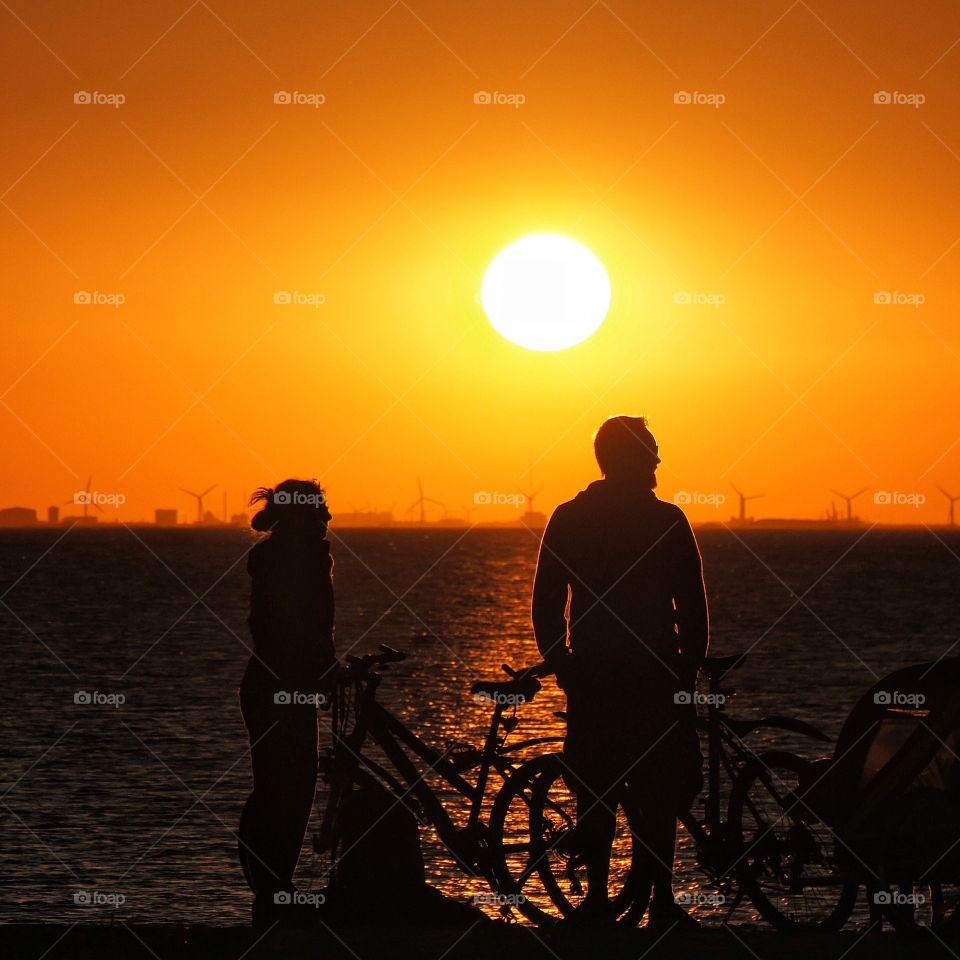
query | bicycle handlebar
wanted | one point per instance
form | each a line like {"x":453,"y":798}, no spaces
{"x":368,"y":661}
{"x":541,"y":669}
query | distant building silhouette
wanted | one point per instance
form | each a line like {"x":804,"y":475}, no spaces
{"x":163,"y":517}
{"x":53,"y":515}
{"x":17,"y":517}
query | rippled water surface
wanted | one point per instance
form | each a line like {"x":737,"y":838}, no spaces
{"x":141,"y":800}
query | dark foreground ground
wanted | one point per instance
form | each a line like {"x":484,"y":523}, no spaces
{"x":487,"y":940}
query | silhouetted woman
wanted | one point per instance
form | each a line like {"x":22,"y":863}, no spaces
{"x":291,"y":621}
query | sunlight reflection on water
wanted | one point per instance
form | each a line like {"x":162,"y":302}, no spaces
{"x":142,"y":800}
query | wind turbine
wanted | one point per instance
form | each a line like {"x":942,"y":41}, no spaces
{"x":85,"y":499}
{"x":849,"y":500}
{"x":529,"y":499}
{"x":422,"y":502}
{"x":199,"y":497}
{"x":743,"y":502}
{"x":953,"y":499}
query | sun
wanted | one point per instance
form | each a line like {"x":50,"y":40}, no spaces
{"x":545,"y":292}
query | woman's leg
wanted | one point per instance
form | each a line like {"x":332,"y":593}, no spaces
{"x":283,"y":748}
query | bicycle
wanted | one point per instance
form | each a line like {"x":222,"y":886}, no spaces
{"x":345,"y":763}
{"x":766,"y":847}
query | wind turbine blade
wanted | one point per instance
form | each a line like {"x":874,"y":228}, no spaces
{"x":735,"y":490}
{"x":205,"y":492}
{"x":944,"y":492}
{"x":192,"y":494}
{"x":857,"y":494}
{"x":842,"y":496}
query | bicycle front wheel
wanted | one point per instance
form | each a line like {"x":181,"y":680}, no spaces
{"x":532,"y":816}
{"x":785,"y":852}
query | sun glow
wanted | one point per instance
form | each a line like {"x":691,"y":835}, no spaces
{"x":545,"y":292}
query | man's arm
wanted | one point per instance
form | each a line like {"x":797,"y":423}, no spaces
{"x":693,"y":621}
{"x":550,"y":597}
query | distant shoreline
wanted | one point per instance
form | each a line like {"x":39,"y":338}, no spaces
{"x":786,"y":523}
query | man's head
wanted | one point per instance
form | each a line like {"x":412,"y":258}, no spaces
{"x":626,"y":449}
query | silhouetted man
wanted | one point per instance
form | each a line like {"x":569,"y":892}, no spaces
{"x":632,"y":638}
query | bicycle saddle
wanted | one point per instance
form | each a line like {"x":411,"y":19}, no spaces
{"x":715,"y":667}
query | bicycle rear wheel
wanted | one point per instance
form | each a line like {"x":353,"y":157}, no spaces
{"x":786,"y":853}
{"x":532,"y":815}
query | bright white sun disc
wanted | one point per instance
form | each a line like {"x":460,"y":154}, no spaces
{"x":545,"y":292}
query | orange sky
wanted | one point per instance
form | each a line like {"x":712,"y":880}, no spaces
{"x":797,"y":200}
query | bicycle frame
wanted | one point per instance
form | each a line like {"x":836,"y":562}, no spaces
{"x":395,"y":739}
{"x":726,"y":754}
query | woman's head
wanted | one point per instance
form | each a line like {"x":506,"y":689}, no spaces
{"x":290,"y":506}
